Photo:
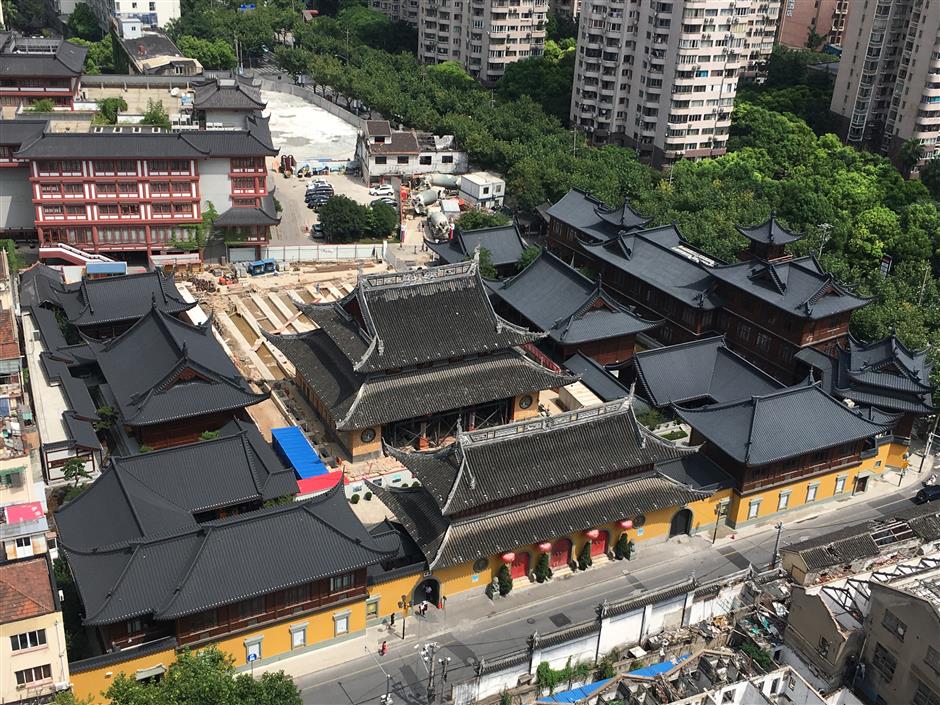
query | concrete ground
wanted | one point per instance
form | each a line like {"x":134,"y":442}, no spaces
{"x":296,"y":219}
{"x":307,"y":131}
{"x":137,"y":98}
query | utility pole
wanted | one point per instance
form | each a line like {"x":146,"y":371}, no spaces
{"x":825,"y":228}
{"x":444,"y":662}
{"x":930,"y":437}
{"x":387,"y":698}
{"x":923,"y":285}
{"x":773,"y":560}
{"x":427,"y":653}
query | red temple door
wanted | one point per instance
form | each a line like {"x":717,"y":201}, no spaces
{"x":599,"y":545}
{"x":520,"y":566}
{"x":561,"y":553}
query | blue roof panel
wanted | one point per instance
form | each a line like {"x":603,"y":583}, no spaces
{"x":292,"y":445}
{"x":577,"y":694}
{"x":106,"y":267}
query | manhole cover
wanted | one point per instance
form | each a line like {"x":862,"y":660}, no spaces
{"x":530,"y":620}
{"x":559,"y":620}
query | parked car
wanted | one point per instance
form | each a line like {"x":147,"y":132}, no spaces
{"x":929,"y":493}
{"x":317,"y":202}
{"x":325,"y":188}
{"x":317,"y":231}
{"x":387,"y":201}
{"x":382,"y":190}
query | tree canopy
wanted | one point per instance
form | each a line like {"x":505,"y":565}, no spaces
{"x":156,"y":115}
{"x":212,"y":54}
{"x":343,"y":219}
{"x":206,"y":677}
{"x":475,"y":219}
{"x":83,"y":24}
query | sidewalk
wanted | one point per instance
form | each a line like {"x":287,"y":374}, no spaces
{"x":473,"y":609}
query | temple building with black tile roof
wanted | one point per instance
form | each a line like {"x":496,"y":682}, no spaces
{"x":169,"y":381}
{"x":173,"y":549}
{"x":789,"y":448}
{"x":105,"y":307}
{"x":549,"y":485}
{"x":405,"y":356}
{"x":696,"y":373}
{"x":769,"y":307}
{"x":885,"y":375}
{"x":575,"y":312}
{"x":503,"y":242}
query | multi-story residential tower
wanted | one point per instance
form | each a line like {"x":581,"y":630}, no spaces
{"x":888,"y":87}
{"x":482,"y":35}
{"x":662,"y":76}
{"x":397,"y":10}
{"x":801,"y":20}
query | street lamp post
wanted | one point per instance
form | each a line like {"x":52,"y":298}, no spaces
{"x":387,"y":698}
{"x":404,"y":605}
{"x":773,"y":560}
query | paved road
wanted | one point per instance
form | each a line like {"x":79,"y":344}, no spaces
{"x":481,"y":629}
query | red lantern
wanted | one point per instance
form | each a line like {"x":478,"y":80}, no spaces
{"x":545,"y":547}
{"x":592,"y":534}
{"x":508,"y":558}
{"x":625,"y":523}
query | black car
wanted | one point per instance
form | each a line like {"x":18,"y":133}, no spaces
{"x":313,"y":195}
{"x":318,"y":231}
{"x":929,"y":493}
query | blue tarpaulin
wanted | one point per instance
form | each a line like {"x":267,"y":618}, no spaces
{"x":657,"y":668}
{"x":94,"y":268}
{"x":292,"y":445}
{"x":576,"y":694}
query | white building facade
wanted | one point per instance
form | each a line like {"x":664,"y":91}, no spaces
{"x":662,"y":76}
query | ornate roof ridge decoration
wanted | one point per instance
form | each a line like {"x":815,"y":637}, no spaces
{"x":768,"y":231}
{"x":542,"y":424}
{"x":428,"y":275}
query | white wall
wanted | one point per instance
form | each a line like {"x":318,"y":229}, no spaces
{"x":214,"y":184}
{"x":228,"y":118}
{"x":16,"y":199}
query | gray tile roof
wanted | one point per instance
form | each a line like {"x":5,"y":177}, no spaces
{"x":378,"y":128}
{"x":798,"y":286}
{"x":253,"y":142}
{"x":150,"y":45}
{"x":228,"y":94}
{"x":238,"y":216}
{"x":162,"y":369}
{"x":571,"y":308}
{"x":67,"y":62}
{"x":699,"y":370}
{"x":885,"y":374}
{"x":597,"y":378}
{"x":118,"y":299}
{"x":13,"y":133}
{"x":695,"y":471}
{"x":398,"y":320}
{"x":663,"y":260}
{"x":188,"y":570}
{"x":537,"y":455}
{"x":503,"y":242}
{"x":152,"y":493}
{"x":765,"y":428}
{"x":770,"y":232}
{"x":465,"y":540}
{"x":360,"y":401}
{"x":594,"y":218}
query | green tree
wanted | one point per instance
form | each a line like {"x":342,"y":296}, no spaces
{"x":83,"y":24}
{"x":559,"y":27}
{"x":74,"y":471}
{"x":584,"y":557}
{"x":930,"y":177}
{"x":528,"y":256}
{"x":545,"y":79}
{"x":291,"y":60}
{"x":343,"y":219}
{"x":156,"y":114}
{"x":206,"y":677}
{"x":911,"y":152}
{"x":13,"y":258}
{"x":504,"y":578}
{"x":487,"y":270}
{"x":100,"y":57}
{"x":43,"y":105}
{"x":212,"y":54}
{"x":109,"y":108}
{"x":475,"y":219}
{"x":543,"y":569}
{"x":383,"y":220}
{"x":106,"y":417}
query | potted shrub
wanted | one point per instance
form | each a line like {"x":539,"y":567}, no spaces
{"x":504,"y":578}
{"x":584,"y":557}
{"x":543,"y":570}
